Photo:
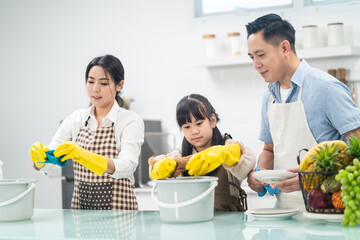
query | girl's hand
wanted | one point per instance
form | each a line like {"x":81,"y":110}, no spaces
{"x":211,"y":158}
{"x":162,"y":168}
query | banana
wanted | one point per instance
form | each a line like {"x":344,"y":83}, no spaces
{"x":307,"y":160}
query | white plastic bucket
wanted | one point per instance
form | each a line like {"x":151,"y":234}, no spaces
{"x":185,"y":199}
{"x":16,"y":199}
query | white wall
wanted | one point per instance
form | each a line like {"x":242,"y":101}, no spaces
{"x":46,"y":45}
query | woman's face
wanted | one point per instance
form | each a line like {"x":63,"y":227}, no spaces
{"x":199,"y":132}
{"x":101,"y":88}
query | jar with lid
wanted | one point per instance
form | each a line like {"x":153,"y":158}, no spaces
{"x":209,"y":40}
{"x":335,"y":34}
{"x":310,"y":36}
{"x":234,"y":43}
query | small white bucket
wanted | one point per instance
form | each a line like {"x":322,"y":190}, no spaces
{"x":16,"y":199}
{"x":185,"y":199}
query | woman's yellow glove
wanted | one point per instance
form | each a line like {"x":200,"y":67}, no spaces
{"x":92,"y":161}
{"x":162,"y":168}
{"x":37,"y":154}
{"x":211,"y":158}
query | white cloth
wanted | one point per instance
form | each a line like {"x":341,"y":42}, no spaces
{"x":290,"y":133}
{"x":129,"y":136}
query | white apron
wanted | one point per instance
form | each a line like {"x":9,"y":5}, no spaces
{"x":290,"y":132}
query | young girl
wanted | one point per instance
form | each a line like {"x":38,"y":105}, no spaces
{"x":104,"y":141}
{"x":210,"y":153}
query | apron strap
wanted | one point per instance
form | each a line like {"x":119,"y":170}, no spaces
{"x":86,"y":122}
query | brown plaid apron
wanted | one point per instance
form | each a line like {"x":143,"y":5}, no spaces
{"x":100,"y":192}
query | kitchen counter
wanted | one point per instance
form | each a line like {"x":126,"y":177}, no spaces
{"x":85,"y":224}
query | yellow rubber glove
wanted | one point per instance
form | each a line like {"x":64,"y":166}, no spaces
{"x":92,"y":161}
{"x":163,"y":168}
{"x":37,"y":154}
{"x":211,"y":158}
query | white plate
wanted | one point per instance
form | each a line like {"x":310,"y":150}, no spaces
{"x":272,"y":211}
{"x":273,"y":176}
{"x":271,"y":217}
{"x":324,"y":216}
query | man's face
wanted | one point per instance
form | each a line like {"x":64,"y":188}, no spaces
{"x":267,"y":59}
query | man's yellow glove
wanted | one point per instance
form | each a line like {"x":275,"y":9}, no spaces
{"x":162,"y":168}
{"x":92,"y":161}
{"x":37,"y":154}
{"x":211,"y":158}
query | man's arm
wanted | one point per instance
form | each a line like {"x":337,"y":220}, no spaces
{"x":355,"y":131}
{"x":265,"y":161}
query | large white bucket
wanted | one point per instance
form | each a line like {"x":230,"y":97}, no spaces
{"x":16,"y":199}
{"x":185,"y":199}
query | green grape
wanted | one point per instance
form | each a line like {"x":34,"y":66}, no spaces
{"x":350,"y":177}
{"x":350,"y":168}
{"x":356,"y":174}
{"x":357,"y":189}
{"x":358,"y":180}
{"x":345,"y":222}
{"x":337,"y":177}
{"x":356,"y":162}
{"x":344,"y":181}
{"x":358,"y":221}
{"x":352,"y":223}
{"x":354,"y":183}
{"x":358,"y":196}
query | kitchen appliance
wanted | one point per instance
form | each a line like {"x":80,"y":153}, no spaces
{"x":185,"y":199}
{"x":16,"y":199}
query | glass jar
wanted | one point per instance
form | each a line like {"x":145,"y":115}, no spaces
{"x":209,"y":44}
{"x":234,"y":43}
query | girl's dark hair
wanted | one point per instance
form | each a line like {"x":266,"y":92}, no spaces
{"x":274,"y":28}
{"x":200,"y":108}
{"x":112,"y":66}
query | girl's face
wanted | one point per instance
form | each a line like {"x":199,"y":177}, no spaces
{"x":101,"y":88}
{"x":199,"y":133}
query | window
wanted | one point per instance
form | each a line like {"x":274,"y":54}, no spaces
{"x":205,"y":8}
{"x":319,"y":2}
{"x":215,"y":7}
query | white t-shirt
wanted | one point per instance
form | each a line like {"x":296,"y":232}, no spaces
{"x":129,"y":136}
{"x":284,"y":93}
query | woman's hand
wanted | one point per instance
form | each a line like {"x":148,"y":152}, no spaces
{"x":289,"y":185}
{"x":37,"y":154}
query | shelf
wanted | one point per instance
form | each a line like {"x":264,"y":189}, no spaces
{"x":314,"y":53}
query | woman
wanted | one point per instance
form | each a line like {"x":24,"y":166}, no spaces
{"x":104,"y":141}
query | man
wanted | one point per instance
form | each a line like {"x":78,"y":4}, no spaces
{"x":303,"y":106}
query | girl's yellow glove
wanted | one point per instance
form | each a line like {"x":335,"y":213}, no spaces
{"x":37,"y":154}
{"x":92,"y":161}
{"x":211,"y":158}
{"x":162,"y":168}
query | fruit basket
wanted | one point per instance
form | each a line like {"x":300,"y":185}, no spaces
{"x":320,"y":190}
{"x":316,"y":201}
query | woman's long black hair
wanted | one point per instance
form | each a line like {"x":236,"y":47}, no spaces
{"x":112,"y":66}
